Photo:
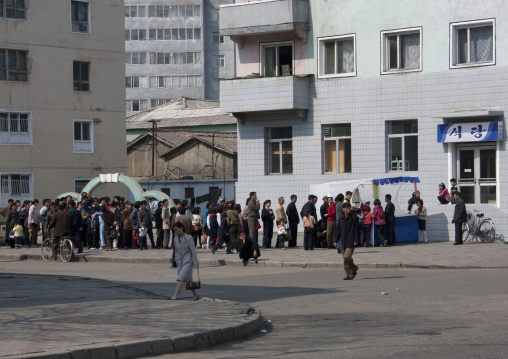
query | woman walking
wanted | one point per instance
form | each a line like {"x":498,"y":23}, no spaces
{"x":380,"y":221}
{"x":185,"y":258}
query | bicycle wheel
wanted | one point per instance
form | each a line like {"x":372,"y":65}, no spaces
{"x":66,"y":250}
{"x":487,"y":232}
{"x":465,"y":232}
{"x":47,"y":252}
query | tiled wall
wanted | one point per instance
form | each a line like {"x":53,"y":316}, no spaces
{"x":367,"y":104}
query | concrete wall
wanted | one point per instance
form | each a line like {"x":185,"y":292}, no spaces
{"x":49,"y":94}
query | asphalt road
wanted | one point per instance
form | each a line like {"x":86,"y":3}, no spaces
{"x":313,"y":313}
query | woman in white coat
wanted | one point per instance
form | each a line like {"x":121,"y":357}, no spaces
{"x":185,"y":258}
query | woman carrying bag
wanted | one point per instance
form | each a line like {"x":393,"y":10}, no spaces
{"x":185,"y":258}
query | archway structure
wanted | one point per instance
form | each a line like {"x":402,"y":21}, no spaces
{"x":132,"y":184}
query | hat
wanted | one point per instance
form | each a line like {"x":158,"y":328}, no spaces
{"x":330,"y":195}
{"x":221,"y":200}
{"x":368,"y":202}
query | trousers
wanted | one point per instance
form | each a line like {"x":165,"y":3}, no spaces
{"x":349,"y":265}
{"x":458,"y":232}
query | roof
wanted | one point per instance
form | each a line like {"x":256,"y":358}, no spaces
{"x":224,"y":141}
{"x":184,"y":112}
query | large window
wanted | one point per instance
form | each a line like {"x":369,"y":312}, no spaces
{"x":176,"y":81}
{"x":80,"y":16}
{"x":83,"y":136}
{"x":15,"y":128}
{"x":79,"y":184}
{"x":15,"y":185}
{"x":175,"y":58}
{"x":280,"y":150}
{"x":402,"y":145}
{"x":401,"y":50}
{"x":136,"y":82}
{"x":217,"y":38}
{"x":277,"y":59}
{"x":135,"y":35}
{"x":81,"y":76}
{"x":136,"y":105}
{"x":337,"y":145}
{"x":174,"y":10}
{"x":13,"y":65}
{"x":13,"y":9}
{"x":135,"y":58}
{"x":135,"y":11}
{"x":472,"y":43}
{"x":218,"y":61}
{"x":337,"y":56}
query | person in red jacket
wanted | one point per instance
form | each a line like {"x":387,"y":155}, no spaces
{"x":331,"y":223}
{"x":368,"y":218}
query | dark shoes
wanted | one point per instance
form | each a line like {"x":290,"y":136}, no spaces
{"x":245,"y":263}
{"x":353,"y":275}
{"x":347,"y":278}
{"x":456,"y":244}
{"x":213,"y":250}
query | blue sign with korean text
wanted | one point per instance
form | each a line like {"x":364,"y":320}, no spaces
{"x":469,"y":132}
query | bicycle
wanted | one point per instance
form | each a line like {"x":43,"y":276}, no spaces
{"x":64,"y":247}
{"x":478,"y":229}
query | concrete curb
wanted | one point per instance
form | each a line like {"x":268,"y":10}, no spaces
{"x":250,"y":325}
{"x":261,"y":263}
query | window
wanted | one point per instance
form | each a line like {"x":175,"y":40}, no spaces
{"x":135,"y":82}
{"x":13,"y":65}
{"x":83,"y":136}
{"x":80,"y":16}
{"x":217,"y":38}
{"x":172,"y":10}
{"x":136,"y":105}
{"x":79,"y":184}
{"x":472,"y":43}
{"x":402,"y":145}
{"x":15,"y":128}
{"x":158,"y":102}
{"x":135,"y":35}
{"x":277,"y":59}
{"x":15,"y":185}
{"x":175,"y":58}
{"x":280,"y":150}
{"x":135,"y":58}
{"x":337,"y":145}
{"x":135,"y":11}
{"x":13,"y":9}
{"x":167,"y":191}
{"x":218,"y":61}
{"x":214,"y":15}
{"x":189,"y":192}
{"x":216,"y":85}
{"x":337,"y":56}
{"x":401,"y":50}
{"x":81,"y":75}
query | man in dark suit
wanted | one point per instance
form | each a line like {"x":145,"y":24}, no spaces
{"x":459,"y":217}
{"x":293,"y":220}
{"x":76,"y":223}
{"x":390,"y":220}
{"x":61,"y":222}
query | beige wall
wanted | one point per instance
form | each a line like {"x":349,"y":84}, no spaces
{"x":139,"y":162}
{"x":49,"y":94}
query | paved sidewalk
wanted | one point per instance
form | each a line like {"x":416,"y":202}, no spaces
{"x":431,"y":255}
{"x":65,"y":317}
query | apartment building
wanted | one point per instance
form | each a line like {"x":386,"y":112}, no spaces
{"x":62,"y":105}
{"x":173,"y":49}
{"x":354,"y":90}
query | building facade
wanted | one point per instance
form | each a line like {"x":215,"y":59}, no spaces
{"x":62,"y":105}
{"x":359,"y":89}
{"x":173,"y":49}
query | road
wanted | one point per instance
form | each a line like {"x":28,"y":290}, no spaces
{"x":313,"y":313}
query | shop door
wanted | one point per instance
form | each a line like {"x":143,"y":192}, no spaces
{"x":476,"y":168}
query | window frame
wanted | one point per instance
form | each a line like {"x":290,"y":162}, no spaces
{"x":13,"y":134}
{"x":321,"y":55}
{"x":4,"y":7}
{"x":16,"y":71}
{"x":80,"y":81}
{"x":264,"y":45}
{"x":337,"y":140}
{"x":10,"y":194}
{"x":91,"y":134}
{"x":89,"y":17}
{"x":385,"y":53}
{"x":81,"y":179}
{"x":403,"y":144}
{"x":454,"y":44}
{"x":219,"y":60}
{"x":269,"y":142}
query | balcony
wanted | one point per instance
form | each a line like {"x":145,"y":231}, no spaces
{"x":257,"y":94}
{"x":263,"y":17}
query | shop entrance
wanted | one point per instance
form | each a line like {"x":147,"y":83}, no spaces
{"x":476,"y":168}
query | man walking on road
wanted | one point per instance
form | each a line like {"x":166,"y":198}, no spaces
{"x":459,"y":217}
{"x":349,"y":236}
{"x":293,"y":220}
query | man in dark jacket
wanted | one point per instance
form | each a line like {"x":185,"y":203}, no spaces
{"x":390,"y":220}
{"x":61,"y":222}
{"x":310,"y":205}
{"x":339,"y":213}
{"x":145,"y":218}
{"x":158,"y":224}
{"x":323,"y":210}
{"x":11,"y":220}
{"x":349,"y":238}
{"x":224,"y":235}
{"x":253,"y":215}
{"x":293,"y":220}
{"x":76,"y":223}
{"x":459,"y":217}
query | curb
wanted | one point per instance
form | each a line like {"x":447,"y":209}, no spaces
{"x":250,"y":324}
{"x":261,"y":263}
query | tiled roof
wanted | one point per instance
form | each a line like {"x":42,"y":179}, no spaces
{"x":181,"y":113}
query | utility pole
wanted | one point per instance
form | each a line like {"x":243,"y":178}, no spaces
{"x":154,"y":134}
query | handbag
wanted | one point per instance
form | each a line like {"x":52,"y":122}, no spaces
{"x":203,"y":239}
{"x":193,"y":285}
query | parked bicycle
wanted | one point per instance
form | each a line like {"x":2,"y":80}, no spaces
{"x":65,"y":248}
{"x":478,"y":228}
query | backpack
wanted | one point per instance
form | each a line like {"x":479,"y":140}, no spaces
{"x":381,"y":214}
